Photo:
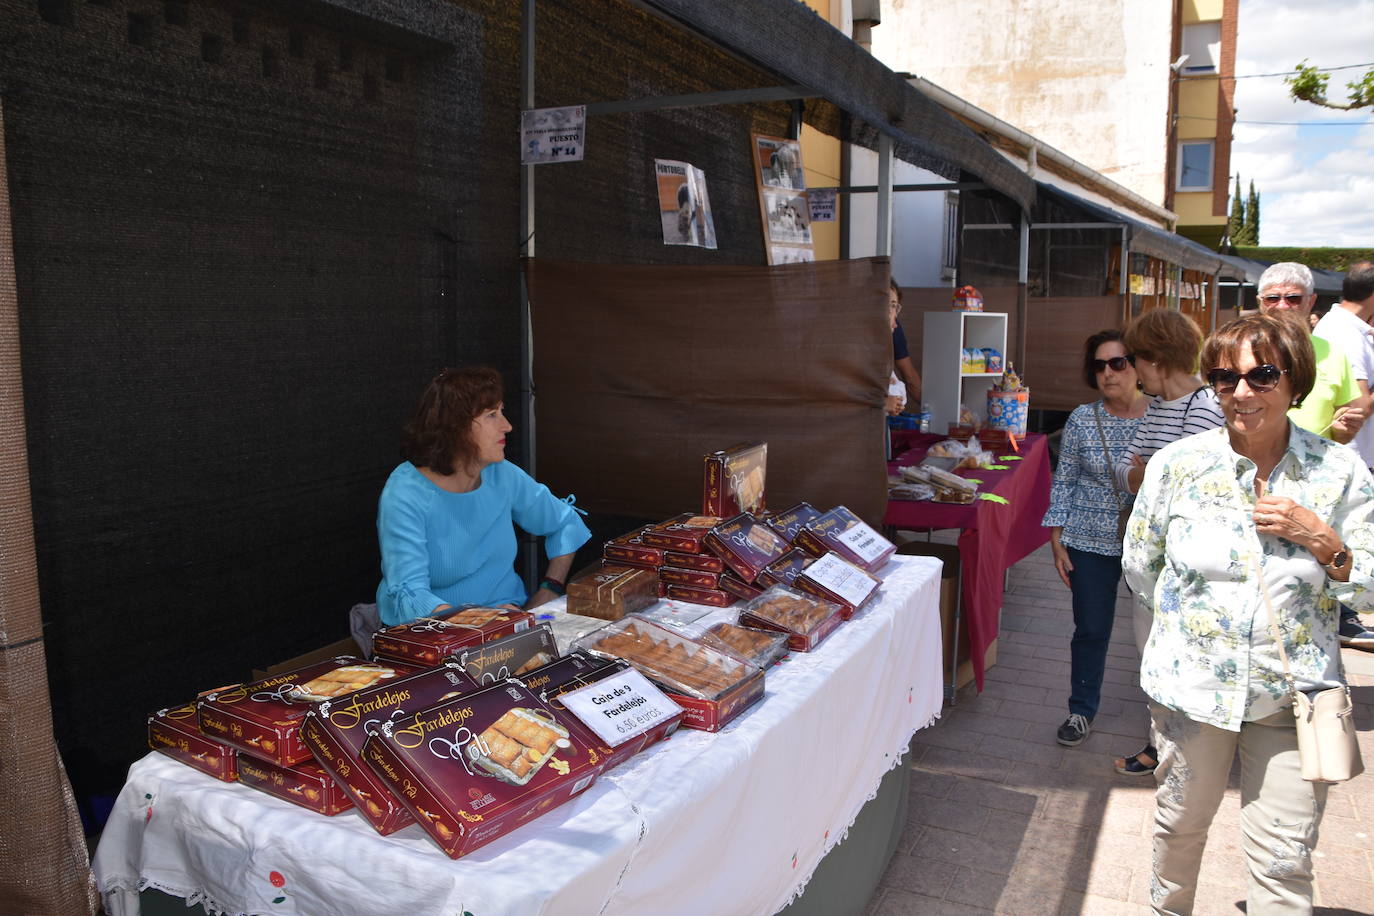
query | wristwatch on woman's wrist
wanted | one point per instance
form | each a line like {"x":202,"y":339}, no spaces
{"x":549,"y":583}
{"x":1340,"y":560}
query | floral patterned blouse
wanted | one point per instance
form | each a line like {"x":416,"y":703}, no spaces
{"x":1084,"y":499}
{"x":1189,"y":555}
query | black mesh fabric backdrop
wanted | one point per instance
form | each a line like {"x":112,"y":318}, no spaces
{"x":246,"y":233}
{"x":243,"y":242}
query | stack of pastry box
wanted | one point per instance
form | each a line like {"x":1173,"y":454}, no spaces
{"x":460,"y":725}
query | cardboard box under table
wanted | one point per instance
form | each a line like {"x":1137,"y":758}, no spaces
{"x":648,"y":839}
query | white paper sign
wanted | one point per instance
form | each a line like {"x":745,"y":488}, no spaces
{"x":840,"y":577}
{"x":822,"y":206}
{"x":866,"y":543}
{"x":620,"y":707}
{"x":552,"y":134}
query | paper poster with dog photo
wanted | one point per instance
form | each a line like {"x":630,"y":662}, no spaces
{"x":683,"y":205}
{"x":783,"y":202}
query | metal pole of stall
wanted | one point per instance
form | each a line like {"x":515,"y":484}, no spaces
{"x":529,"y":549}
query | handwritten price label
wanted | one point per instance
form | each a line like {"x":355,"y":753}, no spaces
{"x":620,"y":707}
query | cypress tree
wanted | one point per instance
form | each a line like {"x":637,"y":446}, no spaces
{"x":1252,"y":216}
{"x":1236,"y":224}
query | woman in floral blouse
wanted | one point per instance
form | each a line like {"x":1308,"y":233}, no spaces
{"x":1258,"y":504}
{"x":1085,"y":503}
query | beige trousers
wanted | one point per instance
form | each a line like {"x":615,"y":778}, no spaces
{"x":1280,"y":811}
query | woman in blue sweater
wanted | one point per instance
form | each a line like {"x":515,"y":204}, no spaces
{"x":446,"y":517}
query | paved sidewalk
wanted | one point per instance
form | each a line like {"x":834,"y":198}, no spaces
{"x":1003,"y":819}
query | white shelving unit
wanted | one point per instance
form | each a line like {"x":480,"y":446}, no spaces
{"x":943,"y":386}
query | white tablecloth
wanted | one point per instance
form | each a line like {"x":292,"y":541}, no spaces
{"x":730,"y":823}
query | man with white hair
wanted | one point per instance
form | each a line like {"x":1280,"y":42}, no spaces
{"x":1334,"y":409}
{"x":1347,"y":326}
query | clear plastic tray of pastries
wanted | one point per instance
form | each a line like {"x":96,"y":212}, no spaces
{"x":806,"y":619}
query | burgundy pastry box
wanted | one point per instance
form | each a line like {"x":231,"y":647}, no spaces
{"x":697,"y":577}
{"x":427,"y":641}
{"x":734,"y":480}
{"x":785,"y":569}
{"x":746,"y":545}
{"x":805,"y":619}
{"x":630,"y":550}
{"x":715,"y":597}
{"x":305,"y":784}
{"x":336,"y":730}
{"x":509,"y":656}
{"x":706,"y":562}
{"x":683,"y":533}
{"x":843,"y":532}
{"x":476,"y":767}
{"x":789,"y":521}
{"x":264,"y":718}
{"x":739,"y":588}
{"x":711,"y":685}
{"x":835,"y":579}
{"x":579,"y":669}
{"x":176,"y":733}
{"x":610,"y":591}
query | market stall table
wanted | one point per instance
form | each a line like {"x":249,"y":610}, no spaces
{"x":731,"y":822}
{"x":994,"y":535}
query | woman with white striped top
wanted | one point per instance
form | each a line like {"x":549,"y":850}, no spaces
{"x":1165,"y":344}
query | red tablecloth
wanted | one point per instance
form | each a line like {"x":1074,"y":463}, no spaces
{"x":994,"y":536}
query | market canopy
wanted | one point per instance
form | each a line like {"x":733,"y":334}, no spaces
{"x":858,"y":98}
{"x":1143,"y":238}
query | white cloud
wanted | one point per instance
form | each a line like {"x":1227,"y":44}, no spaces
{"x":1316,"y":184}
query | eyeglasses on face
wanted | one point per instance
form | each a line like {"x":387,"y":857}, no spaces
{"x":1275,"y":298}
{"x":1261,"y":378}
{"x":1116,"y":363}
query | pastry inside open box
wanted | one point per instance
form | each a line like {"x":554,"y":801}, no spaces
{"x":516,"y":745}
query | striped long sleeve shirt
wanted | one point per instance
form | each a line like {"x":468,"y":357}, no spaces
{"x":1169,"y":421}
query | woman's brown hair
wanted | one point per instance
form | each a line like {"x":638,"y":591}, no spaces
{"x":1276,"y":338}
{"x":1167,"y":338}
{"x":438,"y":435}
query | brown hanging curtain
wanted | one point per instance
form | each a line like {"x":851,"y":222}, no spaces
{"x":44,"y":867}
{"x":641,"y":370}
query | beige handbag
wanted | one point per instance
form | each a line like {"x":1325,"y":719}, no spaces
{"x":1325,"y":720}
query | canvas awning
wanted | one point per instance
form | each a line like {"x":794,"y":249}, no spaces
{"x":1143,"y":238}
{"x":857,"y":97}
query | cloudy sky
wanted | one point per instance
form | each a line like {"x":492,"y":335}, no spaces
{"x":1313,"y":167}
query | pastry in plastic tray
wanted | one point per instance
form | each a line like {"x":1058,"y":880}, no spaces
{"x":758,"y":647}
{"x":804,"y":618}
{"x":679,"y":663}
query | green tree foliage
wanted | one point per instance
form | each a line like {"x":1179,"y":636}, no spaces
{"x":1324,"y":258}
{"x":1252,"y":216}
{"x":1235,"y":225}
{"x":1309,"y":85}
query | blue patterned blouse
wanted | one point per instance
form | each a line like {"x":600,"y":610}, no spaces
{"x":1084,"y":499}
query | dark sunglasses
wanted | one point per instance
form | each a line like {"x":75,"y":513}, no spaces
{"x":1261,"y":378}
{"x":1116,"y":363}
{"x":1275,"y":298}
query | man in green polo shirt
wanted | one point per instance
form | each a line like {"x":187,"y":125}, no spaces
{"x":1333,"y":408}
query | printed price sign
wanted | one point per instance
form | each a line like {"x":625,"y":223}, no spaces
{"x":866,"y":543}
{"x":822,"y":206}
{"x":835,"y":575}
{"x":552,"y":134}
{"x":620,"y":707}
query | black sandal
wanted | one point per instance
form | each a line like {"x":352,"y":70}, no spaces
{"x":1135,"y":766}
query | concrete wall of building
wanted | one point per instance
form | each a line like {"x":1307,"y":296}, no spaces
{"x":1090,"y":79}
